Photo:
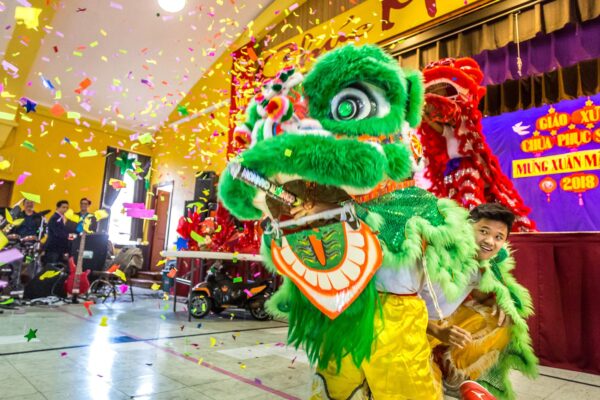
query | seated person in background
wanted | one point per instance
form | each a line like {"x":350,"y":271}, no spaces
{"x":84,"y":213}
{"x":32,"y":221}
{"x":469,"y":336}
{"x":57,"y":244}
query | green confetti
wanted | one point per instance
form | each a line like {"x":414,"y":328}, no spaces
{"x":237,"y":279}
{"x":29,"y":146}
{"x":287,"y":152}
{"x":163,"y":317}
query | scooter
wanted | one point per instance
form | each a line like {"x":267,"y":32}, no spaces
{"x":219,"y":292}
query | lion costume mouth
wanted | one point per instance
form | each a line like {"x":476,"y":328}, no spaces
{"x":331,"y":264}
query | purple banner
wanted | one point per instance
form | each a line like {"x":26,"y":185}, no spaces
{"x":552,"y":155}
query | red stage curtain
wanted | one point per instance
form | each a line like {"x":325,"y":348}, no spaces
{"x":562,"y":271}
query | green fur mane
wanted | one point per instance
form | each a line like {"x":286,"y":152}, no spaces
{"x":516,"y":302}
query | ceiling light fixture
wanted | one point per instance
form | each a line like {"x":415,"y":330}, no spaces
{"x":172,"y":6}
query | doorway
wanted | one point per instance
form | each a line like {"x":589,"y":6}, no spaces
{"x":158,"y":231}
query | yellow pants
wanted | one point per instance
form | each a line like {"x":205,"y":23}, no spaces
{"x":469,"y":363}
{"x":399,"y":367}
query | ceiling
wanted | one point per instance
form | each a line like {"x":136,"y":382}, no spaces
{"x":140,"y":60}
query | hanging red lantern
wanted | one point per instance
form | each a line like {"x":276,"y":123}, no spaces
{"x":579,"y":183}
{"x":547,"y":185}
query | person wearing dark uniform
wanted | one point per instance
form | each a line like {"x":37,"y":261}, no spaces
{"x":57,"y":244}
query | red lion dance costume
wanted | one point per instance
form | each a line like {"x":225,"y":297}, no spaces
{"x":460,"y":165}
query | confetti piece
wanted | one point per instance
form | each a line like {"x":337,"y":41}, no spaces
{"x":3,"y":242}
{"x":287,"y":152}
{"x":88,"y":153}
{"x":31,"y":334}
{"x":172,"y":273}
{"x":145,"y":138}
{"x":57,"y":110}
{"x":29,"y":146}
{"x":36,"y":198}
{"x":117,"y":184}
{"x":213,"y":342}
{"x":198,"y":238}
{"x":237,"y":279}
{"x":248,"y":293}
{"x":84,"y":84}
{"x":163,"y":317}
{"x":123,"y":288}
{"x":87,"y":305}
{"x":199,"y":326}
{"x":104,"y":321}
{"x":155,"y":286}
{"x":121,"y":275}
{"x":257,"y":381}
{"x":22,"y":177}
{"x":200,"y":360}
{"x":63,"y":354}
{"x":73,"y":115}
{"x":242,"y":366}
{"x":7,"y":302}
{"x":49,"y":274}
{"x":7,"y":116}
{"x":28,"y":16}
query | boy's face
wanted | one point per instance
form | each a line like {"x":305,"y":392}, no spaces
{"x":63,"y":208}
{"x":490,"y":236}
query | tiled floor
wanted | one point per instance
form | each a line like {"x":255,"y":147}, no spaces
{"x":148,"y":352}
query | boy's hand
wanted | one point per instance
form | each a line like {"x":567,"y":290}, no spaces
{"x":310,"y":209}
{"x":455,"y":336}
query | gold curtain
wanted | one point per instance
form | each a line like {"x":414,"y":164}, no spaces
{"x":582,"y":79}
{"x":546,"y":17}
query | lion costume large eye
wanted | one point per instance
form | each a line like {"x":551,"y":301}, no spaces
{"x":359,"y":101}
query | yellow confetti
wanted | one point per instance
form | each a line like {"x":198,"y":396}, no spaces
{"x":4,"y":241}
{"x":121,"y":275}
{"x":200,"y":360}
{"x":28,"y":16}
{"x":213,"y":342}
{"x":36,"y":198}
{"x":104,"y":321}
{"x":287,"y":152}
{"x":88,"y":153}
{"x":155,"y":286}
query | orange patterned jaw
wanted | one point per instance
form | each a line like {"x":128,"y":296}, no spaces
{"x":330,"y":265}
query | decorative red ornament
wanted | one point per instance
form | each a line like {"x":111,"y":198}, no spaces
{"x":579,"y":183}
{"x":547,"y":185}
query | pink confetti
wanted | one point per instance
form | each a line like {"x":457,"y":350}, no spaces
{"x":63,"y":354}
{"x":123,"y":288}
{"x":116,"y":5}
{"x":256,"y":274}
{"x":248,"y":293}
{"x":22,"y":177}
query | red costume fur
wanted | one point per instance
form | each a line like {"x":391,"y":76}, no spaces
{"x":473,"y":176}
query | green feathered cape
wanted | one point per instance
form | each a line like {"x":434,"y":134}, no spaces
{"x":407,"y":221}
{"x":516,"y":302}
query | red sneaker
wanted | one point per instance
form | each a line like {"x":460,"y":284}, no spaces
{"x":471,"y":390}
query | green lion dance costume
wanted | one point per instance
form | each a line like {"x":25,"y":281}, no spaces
{"x":353,"y":270}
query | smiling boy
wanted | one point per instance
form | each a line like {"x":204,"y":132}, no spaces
{"x":470,"y":335}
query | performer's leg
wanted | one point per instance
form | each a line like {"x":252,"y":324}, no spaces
{"x":347,"y":384}
{"x":470,"y":362}
{"x":400,"y":366}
